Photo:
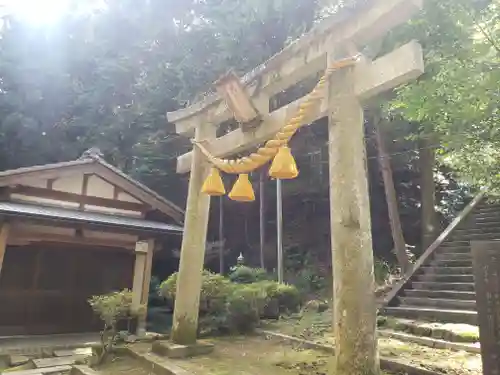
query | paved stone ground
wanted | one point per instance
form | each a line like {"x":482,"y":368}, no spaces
{"x":35,"y":345}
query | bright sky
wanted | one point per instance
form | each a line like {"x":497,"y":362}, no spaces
{"x":35,"y":11}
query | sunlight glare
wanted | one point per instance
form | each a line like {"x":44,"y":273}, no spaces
{"x":38,"y":12}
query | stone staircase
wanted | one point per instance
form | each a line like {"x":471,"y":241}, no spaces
{"x":441,"y":288}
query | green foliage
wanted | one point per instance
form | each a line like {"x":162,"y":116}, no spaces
{"x":381,"y":270}
{"x":456,"y":100}
{"x":214,"y":289}
{"x":227,"y":306}
{"x":245,"y":275}
{"x":111,"y":309}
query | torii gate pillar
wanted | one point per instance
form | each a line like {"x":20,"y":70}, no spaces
{"x":356,"y":348}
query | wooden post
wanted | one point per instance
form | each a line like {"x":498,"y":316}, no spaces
{"x":185,"y":321}
{"x":352,"y":256}
{"x":262,"y":217}
{"x":142,"y":278}
{"x":392,"y":200}
{"x":4,"y":234}
{"x":428,"y":192}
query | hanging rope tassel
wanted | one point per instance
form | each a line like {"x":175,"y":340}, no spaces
{"x":242,"y":190}
{"x":284,"y":166}
{"x":213,"y":185}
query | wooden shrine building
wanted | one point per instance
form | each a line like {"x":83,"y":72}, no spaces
{"x":72,"y":230}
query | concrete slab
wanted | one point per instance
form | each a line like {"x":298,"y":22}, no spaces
{"x":18,"y":360}
{"x":71,"y":352}
{"x":83,"y":370}
{"x":39,"y":371}
{"x":58,"y":361}
{"x":171,"y":350}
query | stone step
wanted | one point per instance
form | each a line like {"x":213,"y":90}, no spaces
{"x":431,"y":285}
{"x":451,"y":304}
{"x":453,"y":256}
{"x":447,"y":294}
{"x":485,"y":218}
{"x":481,"y":230}
{"x":475,"y":237}
{"x":451,"y":263}
{"x":433,"y":314}
{"x":453,"y":249}
{"x":446,"y":270}
{"x":446,"y":278}
{"x":488,"y":206}
{"x":452,"y":243}
{"x":489,"y":227}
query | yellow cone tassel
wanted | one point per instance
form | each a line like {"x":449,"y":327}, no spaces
{"x":213,"y":185}
{"x":242,"y":190}
{"x":284,"y":166}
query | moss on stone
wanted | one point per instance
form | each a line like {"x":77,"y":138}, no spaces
{"x":184,"y":331}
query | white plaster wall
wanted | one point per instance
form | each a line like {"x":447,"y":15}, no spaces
{"x":97,"y":187}
{"x":127,"y":198}
{"x":36,"y":183}
{"x":70,"y":184}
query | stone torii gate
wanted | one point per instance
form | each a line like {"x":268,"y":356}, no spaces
{"x":335,"y":38}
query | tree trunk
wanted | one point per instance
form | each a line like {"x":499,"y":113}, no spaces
{"x":262,"y":217}
{"x":356,"y":350}
{"x":392,"y":200}
{"x":187,"y":303}
{"x":428,"y":192}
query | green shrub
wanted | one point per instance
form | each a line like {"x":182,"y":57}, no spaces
{"x":308,"y":281}
{"x":280,"y":298}
{"x":244,"y":307}
{"x":214,"y":289}
{"x":227,"y":306}
{"x":113,"y":308}
{"x":247,"y":275}
{"x":381,"y":270}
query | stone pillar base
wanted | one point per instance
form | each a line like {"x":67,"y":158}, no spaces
{"x":171,"y":350}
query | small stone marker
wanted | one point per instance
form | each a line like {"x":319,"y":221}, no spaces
{"x":486,"y":265}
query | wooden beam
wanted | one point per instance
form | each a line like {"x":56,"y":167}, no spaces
{"x":4,"y":235}
{"x":147,"y":271}
{"x":389,"y":71}
{"x":142,"y":278}
{"x":302,"y":58}
{"x":139,"y":268}
{"x":25,"y":237}
{"x":77,"y":198}
{"x":85,"y":187}
{"x":50,"y":183}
